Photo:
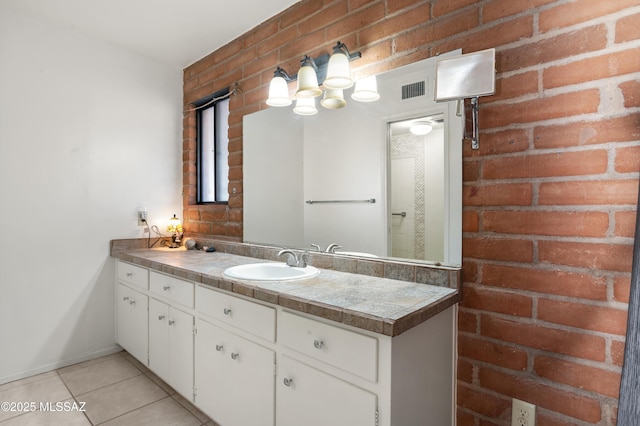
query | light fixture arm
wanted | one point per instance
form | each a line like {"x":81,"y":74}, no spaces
{"x":308,"y":61}
{"x":475,"y":136}
{"x":341,"y":47}
{"x":280,"y":72}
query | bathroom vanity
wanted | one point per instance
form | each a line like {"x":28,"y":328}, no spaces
{"x":339,"y":348}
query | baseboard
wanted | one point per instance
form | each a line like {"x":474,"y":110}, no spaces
{"x":54,"y":366}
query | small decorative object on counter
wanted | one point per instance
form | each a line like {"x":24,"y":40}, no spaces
{"x":175,"y":227}
{"x":190,"y":243}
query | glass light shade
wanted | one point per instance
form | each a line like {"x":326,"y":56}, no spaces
{"x":278,"y":93}
{"x":175,"y":226}
{"x":333,"y":99}
{"x":420,"y":128}
{"x":307,"y":83}
{"x":338,"y":72}
{"x":305,"y":106}
{"x":366,"y":90}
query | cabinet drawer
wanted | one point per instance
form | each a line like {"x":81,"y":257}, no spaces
{"x":134,"y":275}
{"x":345,"y":349}
{"x":251,"y":317}
{"x":172,"y":288}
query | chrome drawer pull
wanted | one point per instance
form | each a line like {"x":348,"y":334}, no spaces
{"x":129,"y":274}
{"x":171,"y":322}
{"x":318,"y":344}
{"x":132,"y":302}
{"x":235,"y":356}
{"x":125,"y":298}
{"x":166,"y":288}
{"x":160,"y":317}
{"x":219,"y":348}
{"x":227,"y":311}
{"x":288,"y":382}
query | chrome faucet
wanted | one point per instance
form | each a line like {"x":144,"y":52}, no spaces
{"x":331,"y":248}
{"x":293,"y":259}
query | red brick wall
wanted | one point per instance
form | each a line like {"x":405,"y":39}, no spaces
{"x":549,"y":199}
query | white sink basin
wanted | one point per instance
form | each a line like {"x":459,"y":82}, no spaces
{"x":270,"y":272}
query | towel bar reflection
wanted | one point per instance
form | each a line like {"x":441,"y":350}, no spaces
{"x":403,"y":214}
{"x":370,"y":200}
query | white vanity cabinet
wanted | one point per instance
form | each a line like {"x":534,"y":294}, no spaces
{"x":330,"y":373}
{"x":131,"y":307}
{"x":307,"y":396}
{"x":248,"y":362}
{"x":235,"y":359}
{"x":171,"y":331}
{"x":235,"y":378}
{"x":171,"y":346}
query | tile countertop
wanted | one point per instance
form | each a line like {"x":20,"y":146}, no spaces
{"x":382,"y":305}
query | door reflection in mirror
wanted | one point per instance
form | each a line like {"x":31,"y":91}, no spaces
{"x":416,"y":182}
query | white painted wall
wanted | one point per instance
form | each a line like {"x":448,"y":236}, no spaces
{"x":88,"y":132}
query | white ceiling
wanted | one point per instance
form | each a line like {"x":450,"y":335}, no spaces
{"x":176,"y":32}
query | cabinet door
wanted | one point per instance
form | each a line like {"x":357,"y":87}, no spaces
{"x":180,"y":348}
{"x":133,"y":322}
{"x":235,"y":378}
{"x":306,"y":396}
{"x":159,"y":339}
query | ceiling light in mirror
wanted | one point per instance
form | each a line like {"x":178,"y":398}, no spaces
{"x":421,"y":128}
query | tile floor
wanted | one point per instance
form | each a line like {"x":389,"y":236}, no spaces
{"x":115,"y":389}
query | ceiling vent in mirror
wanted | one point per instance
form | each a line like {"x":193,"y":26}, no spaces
{"x":413,"y":90}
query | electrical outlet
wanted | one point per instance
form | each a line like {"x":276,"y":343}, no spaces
{"x":142,"y":217}
{"x":522,"y":413}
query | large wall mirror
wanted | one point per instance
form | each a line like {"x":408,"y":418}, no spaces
{"x":357,"y":176}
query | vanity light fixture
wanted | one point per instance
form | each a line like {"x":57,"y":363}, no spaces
{"x":308,"y":79}
{"x":366,"y":90}
{"x":332,"y":72}
{"x":278,"y":89}
{"x":338,"y":70}
{"x":421,"y":128}
{"x":333,"y":99}
{"x":305,"y":106}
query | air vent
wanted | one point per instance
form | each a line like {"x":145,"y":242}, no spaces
{"x":413,"y":90}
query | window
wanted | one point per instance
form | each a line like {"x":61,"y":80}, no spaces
{"x":213,"y":148}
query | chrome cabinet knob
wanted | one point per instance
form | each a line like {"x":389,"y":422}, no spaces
{"x":166,"y":288}
{"x":160,"y":317}
{"x":227,"y":311}
{"x":288,"y":382}
{"x":132,"y":302}
{"x":318,"y":344}
{"x":219,"y":348}
{"x":129,"y":274}
{"x":171,"y":322}
{"x":235,"y":356}
{"x":125,"y":298}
